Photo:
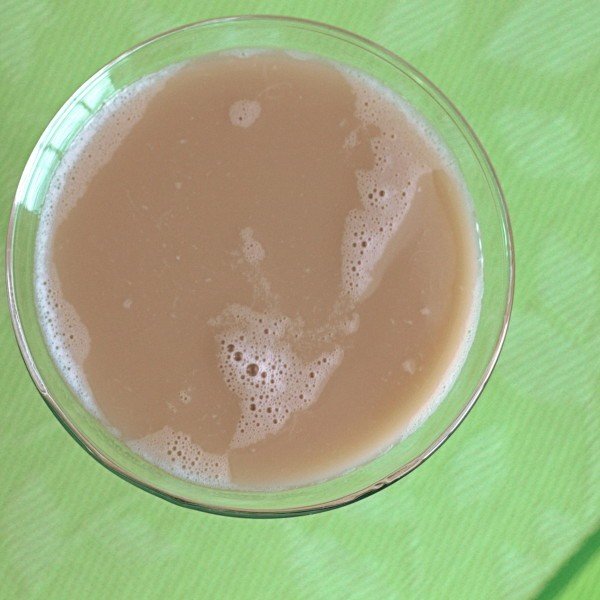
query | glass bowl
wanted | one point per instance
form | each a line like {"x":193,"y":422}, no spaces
{"x":330,"y":42}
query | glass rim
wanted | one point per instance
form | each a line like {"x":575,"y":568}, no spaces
{"x":497,"y":194}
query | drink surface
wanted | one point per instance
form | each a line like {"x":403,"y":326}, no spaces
{"x":258,"y":269}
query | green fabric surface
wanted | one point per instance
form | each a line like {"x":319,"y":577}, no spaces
{"x":508,"y":508}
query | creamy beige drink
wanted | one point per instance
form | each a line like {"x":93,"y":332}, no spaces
{"x":258,"y":269}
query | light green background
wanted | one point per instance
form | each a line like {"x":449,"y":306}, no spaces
{"x":508,"y":508}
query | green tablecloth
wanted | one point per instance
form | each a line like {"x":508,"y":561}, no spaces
{"x":509,"y":507}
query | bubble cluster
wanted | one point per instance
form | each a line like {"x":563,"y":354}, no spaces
{"x":176,"y":453}
{"x":260,"y":367}
{"x":386,"y":190}
{"x":185,"y":396}
{"x":350,"y":324}
{"x":66,"y":336}
{"x":252,"y":249}
{"x":351,"y":140}
{"x":244,"y":113}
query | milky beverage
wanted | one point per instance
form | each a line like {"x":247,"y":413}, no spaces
{"x":258,"y":269}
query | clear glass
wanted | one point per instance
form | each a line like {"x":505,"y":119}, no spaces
{"x":344,"y":47}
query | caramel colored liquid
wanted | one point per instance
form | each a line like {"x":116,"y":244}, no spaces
{"x":257,"y":269}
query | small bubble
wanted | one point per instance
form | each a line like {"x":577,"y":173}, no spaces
{"x":238,"y":356}
{"x":252,"y":369}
